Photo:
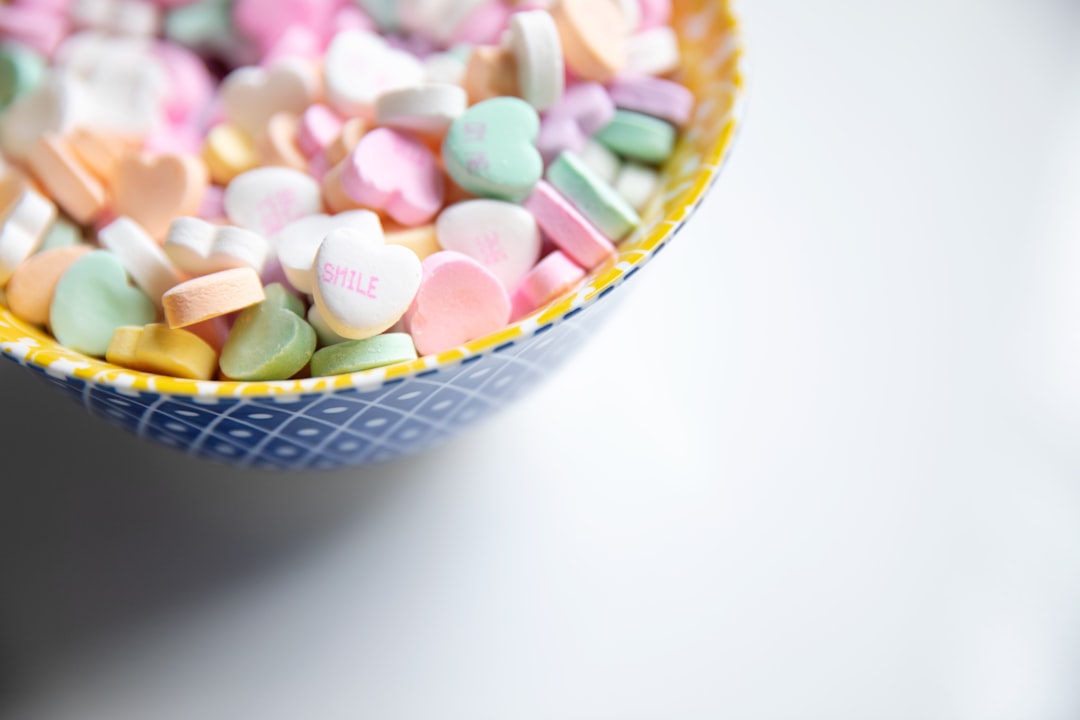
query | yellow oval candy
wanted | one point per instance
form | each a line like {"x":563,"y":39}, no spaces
{"x":228,"y":152}
{"x":159,"y":349}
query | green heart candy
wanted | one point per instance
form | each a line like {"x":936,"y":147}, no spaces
{"x":21,"y":70}
{"x":270,"y":340}
{"x":92,"y":299}
{"x":490,"y":150}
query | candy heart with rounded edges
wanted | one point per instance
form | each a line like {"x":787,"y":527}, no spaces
{"x":299,"y":241}
{"x":251,"y":95}
{"x":179,"y":183}
{"x":200,"y":248}
{"x":359,"y":66}
{"x":25,"y":217}
{"x":270,"y":340}
{"x":394,"y":173}
{"x":501,"y":236}
{"x":267,"y":199}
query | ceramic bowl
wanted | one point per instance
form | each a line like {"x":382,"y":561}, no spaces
{"x":378,"y":415}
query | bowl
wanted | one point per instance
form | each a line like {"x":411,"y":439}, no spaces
{"x":379,"y":415}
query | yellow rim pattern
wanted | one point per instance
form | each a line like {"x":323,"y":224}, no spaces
{"x":713,"y":68}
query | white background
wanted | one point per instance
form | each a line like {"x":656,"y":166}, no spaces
{"x":862,"y":502}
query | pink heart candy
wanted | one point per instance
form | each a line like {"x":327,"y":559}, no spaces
{"x":390,"y":171}
{"x":459,"y":300}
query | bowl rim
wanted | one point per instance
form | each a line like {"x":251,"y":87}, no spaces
{"x":36,"y":348}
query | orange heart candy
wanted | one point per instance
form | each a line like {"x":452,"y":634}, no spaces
{"x":155,"y":190}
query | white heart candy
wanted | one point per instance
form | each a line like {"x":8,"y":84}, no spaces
{"x":251,"y":95}
{"x":363,"y":286}
{"x":200,"y":248}
{"x":298,"y":243}
{"x":267,"y":199}
{"x":359,"y":66}
{"x":141,"y":256}
{"x":26,"y":218}
{"x":499,"y":235}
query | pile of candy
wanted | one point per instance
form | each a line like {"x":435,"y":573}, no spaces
{"x":271,"y":189}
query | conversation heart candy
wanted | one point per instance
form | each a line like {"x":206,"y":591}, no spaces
{"x":363,"y":286}
{"x":567,"y":227}
{"x":491,"y":151}
{"x":549,"y":278}
{"x":93,"y":298}
{"x":267,"y":199}
{"x":358,"y":355}
{"x":178,"y":184}
{"x":392,"y":172}
{"x":270,"y":340}
{"x":228,"y":152}
{"x":30,"y":290}
{"x":635,"y":136}
{"x":251,"y":95}
{"x":210,"y":296}
{"x":200,"y":248}
{"x":25,"y":218}
{"x":299,"y":241}
{"x":78,"y":193}
{"x":426,"y":109}
{"x":534,"y":38}
{"x":593,"y":36}
{"x":58,"y":104}
{"x":359,"y":66}
{"x":159,"y":349}
{"x":265,"y":28}
{"x":458,"y":300}
{"x":501,"y":236}
{"x":593,"y":196}
{"x":142,"y":257}
{"x":276,"y":144}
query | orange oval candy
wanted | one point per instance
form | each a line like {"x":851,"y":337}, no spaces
{"x":211,"y":296}
{"x":30,"y":290}
{"x":592,"y":37}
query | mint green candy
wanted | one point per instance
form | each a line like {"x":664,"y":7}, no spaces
{"x":61,"y":234}
{"x":356,"y":355}
{"x":204,"y":24}
{"x":21,"y":70}
{"x":596,"y":199}
{"x":270,"y":340}
{"x":385,"y":13}
{"x":93,"y":299}
{"x":490,"y":150}
{"x":638,"y":137}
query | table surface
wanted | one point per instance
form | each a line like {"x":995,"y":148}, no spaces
{"x":864,"y":505}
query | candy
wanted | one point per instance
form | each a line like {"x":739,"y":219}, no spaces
{"x":211,"y":296}
{"x":270,"y":340}
{"x":141,"y":256}
{"x":359,"y":66}
{"x":392,"y":172}
{"x":31,"y":287}
{"x":594,"y":197}
{"x":21,"y":69}
{"x":363,"y":286}
{"x":427,"y":109}
{"x":200,"y":248}
{"x":538,"y":51}
{"x":178,"y":181}
{"x":75,"y":190}
{"x":157,"y":348}
{"x":491,"y":149}
{"x":571,"y":231}
{"x":298,"y":243}
{"x":250,"y":95}
{"x":549,"y":278}
{"x":592,"y":37}
{"x":26,"y":217}
{"x":357,"y":355}
{"x":639,"y":137}
{"x":267,"y":199}
{"x":93,"y":299}
{"x":503,"y":237}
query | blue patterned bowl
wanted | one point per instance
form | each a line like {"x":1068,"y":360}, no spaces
{"x":378,"y":415}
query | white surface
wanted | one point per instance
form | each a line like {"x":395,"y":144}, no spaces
{"x":865,"y":504}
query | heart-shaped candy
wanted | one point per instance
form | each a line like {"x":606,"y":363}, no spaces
{"x":141,"y":256}
{"x":57,"y":105}
{"x":298,"y":243}
{"x":392,"y":172}
{"x":200,"y":248}
{"x":501,"y":236}
{"x":270,"y":340}
{"x":491,"y":152}
{"x":153,"y":190}
{"x":265,"y":29}
{"x":459,"y":300}
{"x":363,"y":286}
{"x":92,"y":300}
{"x":267,"y":199}
{"x":251,"y":95}
{"x":359,"y":66}
{"x":26,"y":217}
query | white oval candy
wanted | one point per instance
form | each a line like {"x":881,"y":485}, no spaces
{"x":28,"y":215}
{"x":363,"y":286}
{"x":141,"y":256}
{"x":267,"y":199}
{"x":499,"y":235}
{"x":298,"y":243}
{"x":637,"y":184}
{"x":534,"y":38}
{"x":427,"y":109}
{"x":251,"y":95}
{"x":201,"y":248}
{"x":359,"y":66}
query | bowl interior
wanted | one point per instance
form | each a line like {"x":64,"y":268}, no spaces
{"x":712,"y":54}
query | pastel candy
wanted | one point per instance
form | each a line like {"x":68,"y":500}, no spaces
{"x":159,"y":349}
{"x":72,"y":187}
{"x":21,"y":70}
{"x":501,"y":236}
{"x":200,"y":248}
{"x":270,"y":340}
{"x":358,"y":355}
{"x":658,"y":97}
{"x":276,"y":144}
{"x":298,"y":243}
{"x":459,"y":300}
{"x":593,"y":37}
{"x":571,"y":231}
{"x":92,"y":299}
{"x":547,"y":280}
{"x":363,"y":286}
{"x":228,"y":152}
{"x":491,"y":152}
{"x":653,"y":52}
{"x":423,"y":240}
{"x":392,"y":172}
{"x":604,"y":163}
{"x":179,"y":183}
{"x":639,"y":137}
{"x":267,"y":199}
{"x":319,"y":126}
{"x":534,"y":38}
{"x":25,"y":217}
{"x":62,"y":233}
{"x":141,"y":256}
{"x":426,"y":109}
{"x":210,"y":296}
{"x":251,"y":95}
{"x":59,"y":103}
{"x":596,"y":199}
{"x":583,"y":110}
{"x":359,"y":66}
{"x":30,"y":290}
{"x":638,"y":184}
{"x":324,"y":332}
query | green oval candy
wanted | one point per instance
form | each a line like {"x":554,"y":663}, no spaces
{"x":596,"y":199}
{"x":270,"y":340}
{"x":92,"y":299}
{"x":356,"y":355}
{"x":21,"y":70}
{"x":490,"y":150}
{"x":639,"y":137}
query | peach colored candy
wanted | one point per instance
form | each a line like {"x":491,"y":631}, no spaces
{"x":593,"y":37}
{"x":277,"y":143}
{"x":153,"y":191}
{"x":68,"y":183}
{"x":211,"y":296}
{"x":491,"y":72}
{"x":99,"y":152}
{"x":31,"y":288}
